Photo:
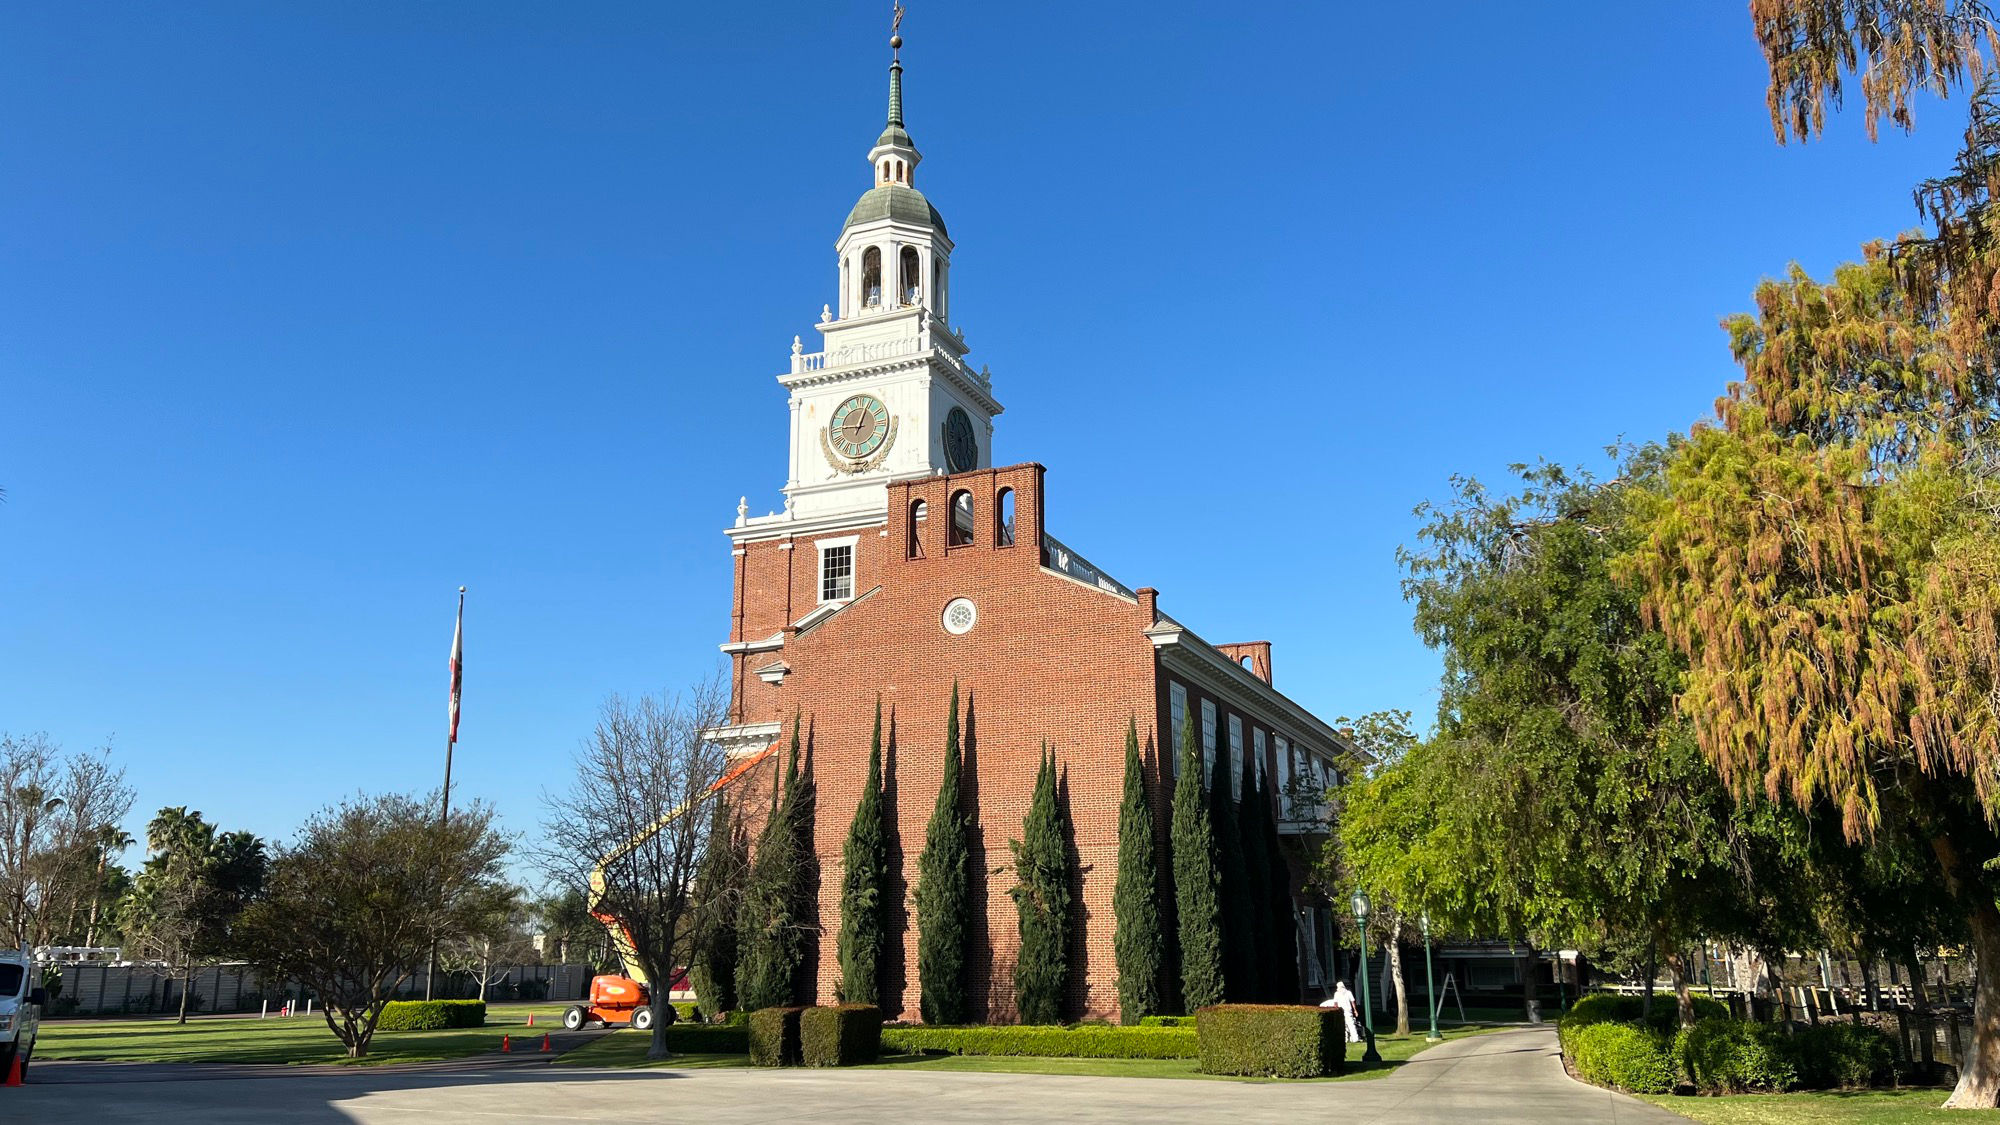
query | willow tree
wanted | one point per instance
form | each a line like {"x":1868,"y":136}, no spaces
{"x":1828,"y":558}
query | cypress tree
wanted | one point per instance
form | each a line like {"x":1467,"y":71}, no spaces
{"x":865,"y":863}
{"x":771,"y":923}
{"x":1281,"y":957}
{"x":1257,"y":881}
{"x":717,"y":885}
{"x":942,"y":901}
{"x":1197,"y":890}
{"x":1239,"y":932}
{"x":1041,"y":895}
{"x":1135,"y":905}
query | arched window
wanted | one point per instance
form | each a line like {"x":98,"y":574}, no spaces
{"x":871,"y":276}
{"x":1003,"y":531}
{"x":913,"y":274}
{"x":961,"y":518}
{"x":918,"y":510}
{"x":940,"y":292}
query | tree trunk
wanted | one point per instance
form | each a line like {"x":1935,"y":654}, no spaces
{"x":1677,"y":964}
{"x":1870,"y":987}
{"x":1531,"y":1003}
{"x":1774,"y":968}
{"x":1979,"y":1070}
{"x":1396,"y":970}
{"x":1652,"y":974}
{"x":1920,"y":993}
{"x":663,"y":1014}
{"x":187,"y":982}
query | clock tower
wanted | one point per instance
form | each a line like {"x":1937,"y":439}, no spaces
{"x":888,"y":396}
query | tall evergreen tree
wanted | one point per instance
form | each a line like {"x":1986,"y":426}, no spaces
{"x":1041,"y":894}
{"x":866,"y":862}
{"x":1135,"y":904}
{"x":772,"y":923}
{"x":943,"y":904}
{"x":1256,"y":882}
{"x":718,"y":888}
{"x":1197,"y":884}
{"x":1239,"y":910}
{"x":1280,"y":954}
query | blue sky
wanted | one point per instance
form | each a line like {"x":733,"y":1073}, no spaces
{"x":311,"y":313}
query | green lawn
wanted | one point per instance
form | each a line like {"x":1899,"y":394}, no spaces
{"x":628,"y":1049}
{"x":1862,"y":1107}
{"x":300,"y":1039}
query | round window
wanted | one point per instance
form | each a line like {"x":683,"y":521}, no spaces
{"x":960,"y":615}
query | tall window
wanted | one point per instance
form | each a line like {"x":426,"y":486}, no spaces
{"x":961,"y":518}
{"x":1003,"y":532}
{"x":1257,"y":767}
{"x":1208,"y":742}
{"x":918,"y":510}
{"x":836,"y":572}
{"x":1236,"y":756}
{"x":1284,"y":777}
{"x":913,"y":275}
{"x":1176,"y":715}
{"x":871,"y":276}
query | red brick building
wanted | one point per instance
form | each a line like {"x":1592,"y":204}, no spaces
{"x":904,"y":561}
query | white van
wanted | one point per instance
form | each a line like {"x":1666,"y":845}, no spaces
{"x":21,"y":1004}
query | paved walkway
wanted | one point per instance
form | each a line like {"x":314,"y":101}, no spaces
{"x":1506,"y":1077}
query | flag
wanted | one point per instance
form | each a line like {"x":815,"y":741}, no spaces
{"x":457,"y":663}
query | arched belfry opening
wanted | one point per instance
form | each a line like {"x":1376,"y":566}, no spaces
{"x":918,"y":510}
{"x":961,"y":518}
{"x":871,"y":276}
{"x":913,"y":275}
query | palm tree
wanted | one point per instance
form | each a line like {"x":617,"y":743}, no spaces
{"x":110,"y":838}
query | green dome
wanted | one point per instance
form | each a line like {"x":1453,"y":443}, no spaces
{"x":894,"y":201}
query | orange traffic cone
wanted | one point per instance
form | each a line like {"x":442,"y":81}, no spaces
{"x":531,"y":1019}
{"x":13,"y":1071}
{"x":506,"y":1042}
{"x":545,"y":1040}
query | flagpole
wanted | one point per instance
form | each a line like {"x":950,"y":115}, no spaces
{"x":450,"y":740}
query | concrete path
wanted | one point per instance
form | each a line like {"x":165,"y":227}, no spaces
{"x":1506,"y":1077}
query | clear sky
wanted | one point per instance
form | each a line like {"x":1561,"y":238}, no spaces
{"x":311,"y":313}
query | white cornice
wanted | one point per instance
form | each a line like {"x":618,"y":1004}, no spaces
{"x":1180,"y":650}
{"x":769,"y":644}
{"x":783,"y":526}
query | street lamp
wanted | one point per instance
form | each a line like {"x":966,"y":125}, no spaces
{"x":1360,"y":904}
{"x":1430,"y":982}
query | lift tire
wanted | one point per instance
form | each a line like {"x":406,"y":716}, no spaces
{"x":642,"y":1018}
{"x":575,"y":1018}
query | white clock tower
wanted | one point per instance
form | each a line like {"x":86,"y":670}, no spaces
{"x":889,"y":395}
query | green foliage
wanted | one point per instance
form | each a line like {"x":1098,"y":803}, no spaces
{"x":1271,"y":1040}
{"x":1239,"y":904}
{"x":1041,"y":894}
{"x":1841,"y":1055}
{"x":687,"y":1011}
{"x":774,"y":918}
{"x":1622,"y":1056}
{"x":840,"y":1035}
{"x":1166,"y":1021}
{"x":1277,"y":933}
{"x":1720,"y":1055}
{"x":1197,"y":883}
{"x":1138,"y":936}
{"x":1080,"y":1042}
{"x":1614,"y":1007}
{"x":718,"y":890}
{"x":866,"y":860}
{"x":710,"y":1038}
{"x":943,"y":902}
{"x":431,"y":1015}
{"x":774,"y":1036}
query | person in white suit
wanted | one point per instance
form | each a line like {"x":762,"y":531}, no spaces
{"x":1344,"y":1000}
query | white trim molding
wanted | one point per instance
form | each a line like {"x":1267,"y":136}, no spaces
{"x":744,"y":739}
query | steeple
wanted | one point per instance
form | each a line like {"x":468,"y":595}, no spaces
{"x":895,"y":156}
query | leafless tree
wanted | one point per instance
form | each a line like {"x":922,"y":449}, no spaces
{"x":632,"y":829}
{"x":55,"y":809}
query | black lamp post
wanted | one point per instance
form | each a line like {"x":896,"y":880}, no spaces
{"x":1430,"y":982}
{"x":1360,"y":904}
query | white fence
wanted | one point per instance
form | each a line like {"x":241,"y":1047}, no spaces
{"x":96,"y":988}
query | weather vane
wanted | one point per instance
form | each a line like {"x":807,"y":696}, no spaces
{"x":896,"y":30}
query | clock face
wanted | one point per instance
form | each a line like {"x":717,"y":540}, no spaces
{"x":858,"y":426}
{"x":961,"y":448}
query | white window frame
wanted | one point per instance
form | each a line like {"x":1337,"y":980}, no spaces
{"x":1208,"y":742}
{"x":1176,"y":715}
{"x":1236,"y":757}
{"x":1284,"y":749}
{"x":1257,"y":749}
{"x":853,"y":545}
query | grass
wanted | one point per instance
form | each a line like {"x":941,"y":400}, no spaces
{"x":628,"y":1049}
{"x":297,"y":1040}
{"x":1860,"y":1107}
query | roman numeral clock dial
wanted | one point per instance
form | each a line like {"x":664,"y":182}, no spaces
{"x":858,"y":428}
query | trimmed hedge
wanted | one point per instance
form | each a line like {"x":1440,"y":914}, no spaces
{"x":1273,"y":1040}
{"x":1621,"y":1055}
{"x":1084,"y":1042}
{"x":840,"y":1035}
{"x":431,"y":1015}
{"x":1726,"y":1056}
{"x":774,"y":1037}
{"x":1841,"y":1056}
{"x":1613,"y":1007}
{"x":1166,"y":1021}
{"x":686,"y":1012}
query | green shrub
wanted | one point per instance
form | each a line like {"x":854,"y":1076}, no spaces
{"x":685,"y":1012}
{"x":1166,"y":1021}
{"x":1841,"y":1055}
{"x":774,"y":1037}
{"x":1621,"y":1055}
{"x":840,"y":1035}
{"x":738,"y":1018}
{"x":708,"y":1039}
{"x":1046,"y":1042}
{"x":1726,"y":1056}
{"x":1277,"y":1040}
{"x":431,"y":1015}
{"x":1612,"y":1007}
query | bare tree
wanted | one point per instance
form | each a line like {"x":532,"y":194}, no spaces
{"x":54,"y":809}
{"x":633,"y":827}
